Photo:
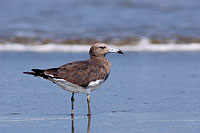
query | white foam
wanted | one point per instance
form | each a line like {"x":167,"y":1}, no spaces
{"x":44,"y":48}
{"x":161,"y":47}
{"x":143,"y":45}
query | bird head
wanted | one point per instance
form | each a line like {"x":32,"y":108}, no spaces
{"x":101,"y":49}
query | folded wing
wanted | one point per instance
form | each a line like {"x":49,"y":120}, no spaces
{"x":81,"y":73}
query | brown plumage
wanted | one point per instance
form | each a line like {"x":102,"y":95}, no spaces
{"x":82,"y":72}
{"x":81,"y":76}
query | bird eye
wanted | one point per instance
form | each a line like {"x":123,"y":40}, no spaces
{"x":102,"y":47}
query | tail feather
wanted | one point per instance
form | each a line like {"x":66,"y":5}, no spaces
{"x":37,"y":72}
{"x":31,"y":73}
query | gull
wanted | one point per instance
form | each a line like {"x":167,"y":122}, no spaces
{"x":81,"y":76}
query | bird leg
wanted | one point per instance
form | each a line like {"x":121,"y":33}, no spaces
{"x":89,"y":119}
{"x":88,"y":101}
{"x":72,"y":102}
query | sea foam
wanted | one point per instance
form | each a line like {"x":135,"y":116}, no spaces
{"x":143,"y":45}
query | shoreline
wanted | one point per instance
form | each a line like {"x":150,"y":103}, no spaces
{"x":144,"y":46}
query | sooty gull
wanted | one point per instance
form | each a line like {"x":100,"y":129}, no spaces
{"x":81,"y":76}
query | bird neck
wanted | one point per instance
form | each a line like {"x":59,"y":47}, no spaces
{"x":98,"y":58}
{"x":101,"y":60}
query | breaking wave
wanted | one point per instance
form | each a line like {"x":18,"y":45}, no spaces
{"x":142,"y":45}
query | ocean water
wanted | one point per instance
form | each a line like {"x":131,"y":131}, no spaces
{"x":145,"y":92}
{"x":117,"y":21}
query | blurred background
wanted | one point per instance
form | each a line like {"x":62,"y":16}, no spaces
{"x":120,"y":22}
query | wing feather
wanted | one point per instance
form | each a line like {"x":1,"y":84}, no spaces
{"x":80,"y":73}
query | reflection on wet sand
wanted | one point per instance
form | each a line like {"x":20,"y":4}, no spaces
{"x":72,"y":123}
{"x":88,"y":126}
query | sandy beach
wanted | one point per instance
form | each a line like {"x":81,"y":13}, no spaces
{"x":146,"y":92}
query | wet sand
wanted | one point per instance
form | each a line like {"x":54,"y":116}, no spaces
{"x":146,"y":92}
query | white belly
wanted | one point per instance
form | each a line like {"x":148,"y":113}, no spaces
{"x":68,"y":86}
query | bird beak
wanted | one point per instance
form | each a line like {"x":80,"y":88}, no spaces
{"x":115,"y":50}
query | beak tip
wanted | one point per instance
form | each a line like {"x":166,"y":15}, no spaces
{"x":120,"y":52}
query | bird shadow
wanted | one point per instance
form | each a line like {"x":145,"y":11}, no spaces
{"x":73,"y":126}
